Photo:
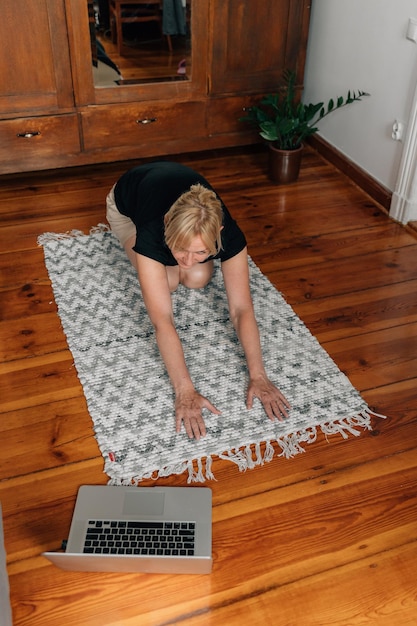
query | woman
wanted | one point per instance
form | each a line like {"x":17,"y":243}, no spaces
{"x":172,"y":225}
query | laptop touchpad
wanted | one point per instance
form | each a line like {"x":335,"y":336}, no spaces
{"x":141,"y":503}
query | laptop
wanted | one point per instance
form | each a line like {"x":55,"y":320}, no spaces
{"x":163,"y":530}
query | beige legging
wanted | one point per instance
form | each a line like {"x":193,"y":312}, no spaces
{"x":122,"y":226}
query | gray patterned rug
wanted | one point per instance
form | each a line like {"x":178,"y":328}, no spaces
{"x":128,"y":392}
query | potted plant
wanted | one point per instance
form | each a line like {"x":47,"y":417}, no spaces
{"x":285,"y":122}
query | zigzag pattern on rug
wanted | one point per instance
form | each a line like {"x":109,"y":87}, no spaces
{"x":128,"y":392}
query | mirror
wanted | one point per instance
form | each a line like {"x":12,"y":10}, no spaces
{"x":140,"y":41}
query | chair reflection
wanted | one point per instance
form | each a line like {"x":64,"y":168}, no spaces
{"x":133,"y":12}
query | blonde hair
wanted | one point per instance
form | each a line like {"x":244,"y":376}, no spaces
{"x":196,"y":212}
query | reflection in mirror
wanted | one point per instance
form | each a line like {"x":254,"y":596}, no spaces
{"x":140,"y":41}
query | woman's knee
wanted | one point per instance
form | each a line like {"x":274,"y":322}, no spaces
{"x":198,"y":276}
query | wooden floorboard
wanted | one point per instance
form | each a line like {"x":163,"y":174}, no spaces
{"x":328,"y":538}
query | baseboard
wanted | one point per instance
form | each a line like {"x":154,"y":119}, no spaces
{"x":378,"y":192}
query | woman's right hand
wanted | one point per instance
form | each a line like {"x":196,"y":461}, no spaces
{"x":188,"y":410}
{"x":157,"y":297}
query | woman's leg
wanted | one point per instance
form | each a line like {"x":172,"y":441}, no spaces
{"x":197,"y":276}
{"x":128,"y":246}
{"x":121,"y":226}
{"x":173,"y":275}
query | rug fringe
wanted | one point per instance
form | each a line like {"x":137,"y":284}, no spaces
{"x":350,"y":425}
{"x":291,"y":444}
{"x":251,"y":455}
{"x":71,"y":234}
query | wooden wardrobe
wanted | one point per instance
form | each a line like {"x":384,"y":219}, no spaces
{"x":52,"y":115}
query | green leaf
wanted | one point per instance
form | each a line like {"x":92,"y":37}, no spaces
{"x":286,"y":121}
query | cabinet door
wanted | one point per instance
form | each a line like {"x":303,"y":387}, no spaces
{"x":254,"y":41}
{"x":34,"y":64}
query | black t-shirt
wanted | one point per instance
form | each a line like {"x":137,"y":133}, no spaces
{"x":145,"y":193}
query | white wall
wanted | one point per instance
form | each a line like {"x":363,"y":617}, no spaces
{"x":361,"y":44}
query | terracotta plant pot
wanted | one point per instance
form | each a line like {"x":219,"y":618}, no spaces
{"x":284,"y":165}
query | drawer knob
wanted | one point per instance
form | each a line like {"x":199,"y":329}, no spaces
{"x":29,"y":133}
{"x":147,"y":120}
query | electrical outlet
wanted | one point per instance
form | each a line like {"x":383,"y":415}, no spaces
{"x":397,"y":130}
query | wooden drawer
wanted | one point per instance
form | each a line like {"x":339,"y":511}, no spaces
{"x":224,"y":113}
{"x":35,"y":142}
{"x":106,"y":127}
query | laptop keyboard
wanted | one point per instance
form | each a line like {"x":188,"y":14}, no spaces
{"x":143,"y":538}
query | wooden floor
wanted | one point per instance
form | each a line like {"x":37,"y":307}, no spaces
{"x":327,"y":538}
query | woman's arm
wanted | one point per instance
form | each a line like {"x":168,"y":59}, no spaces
{"x":236,"y":279}
{"x":157,"y":297}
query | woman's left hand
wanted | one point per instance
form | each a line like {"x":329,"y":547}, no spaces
{"x":274,"y":402}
